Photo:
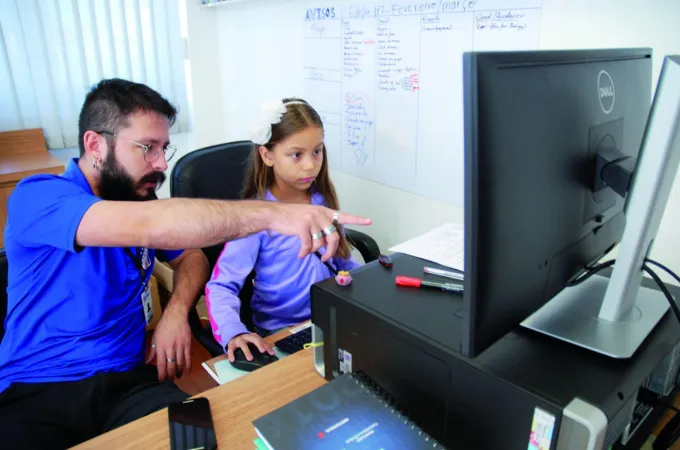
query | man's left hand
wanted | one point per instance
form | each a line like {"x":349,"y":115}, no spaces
{"x":171,"y":345}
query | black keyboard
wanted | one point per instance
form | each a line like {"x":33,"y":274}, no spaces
{"x":295,"y":342}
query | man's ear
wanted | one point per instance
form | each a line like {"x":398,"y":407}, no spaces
{"x":266,"y":156}
{"x":95,"y":146}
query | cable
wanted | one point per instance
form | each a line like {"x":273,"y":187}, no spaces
{"x":671,"y":432}
{"x":591,"y":271}
{"x":664,"y":289}
{"x":312,"y":345}
{"x":666,"y":269}
{"x":674,"y":438}
{"x":668,"y":434}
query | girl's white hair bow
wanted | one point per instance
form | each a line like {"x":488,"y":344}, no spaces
{"x":270,"y":113}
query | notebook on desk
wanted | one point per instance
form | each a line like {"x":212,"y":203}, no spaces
{"x":350,"y":412}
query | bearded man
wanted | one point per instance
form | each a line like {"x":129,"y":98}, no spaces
{"x":81,"y":248}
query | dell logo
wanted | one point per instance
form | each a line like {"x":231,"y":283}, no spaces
{"x":606,"y":93}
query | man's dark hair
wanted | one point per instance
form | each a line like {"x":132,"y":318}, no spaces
{"x":110,"y":102}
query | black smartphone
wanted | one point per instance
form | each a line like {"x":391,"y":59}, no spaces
{"x":191,"y":425}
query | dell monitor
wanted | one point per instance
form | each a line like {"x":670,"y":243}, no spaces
{"x":540,"y":129}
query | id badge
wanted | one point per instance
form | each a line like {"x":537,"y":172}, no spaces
{"x":147,"y":304}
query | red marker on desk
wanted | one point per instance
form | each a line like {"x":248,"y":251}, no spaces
{"x":417,"y":282}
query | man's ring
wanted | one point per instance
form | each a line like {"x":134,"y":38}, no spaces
{"x":329,"y":230}
{"x":170,"y":360}
{"x":318,"y":235}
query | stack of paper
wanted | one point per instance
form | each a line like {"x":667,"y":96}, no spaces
{"x":444,"y":245}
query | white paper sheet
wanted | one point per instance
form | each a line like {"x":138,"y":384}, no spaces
{"x":444,"y":245}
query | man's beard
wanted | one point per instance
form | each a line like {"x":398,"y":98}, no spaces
{"x":116,"y":184}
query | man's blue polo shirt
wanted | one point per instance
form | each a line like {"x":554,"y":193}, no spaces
{"x":72,"y":312}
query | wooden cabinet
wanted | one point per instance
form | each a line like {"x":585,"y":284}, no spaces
{"x":22,"y":153}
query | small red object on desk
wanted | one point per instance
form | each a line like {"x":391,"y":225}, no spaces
{"x":417,"y":283}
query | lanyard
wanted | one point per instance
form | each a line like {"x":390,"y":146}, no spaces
{"x":137,"y":262}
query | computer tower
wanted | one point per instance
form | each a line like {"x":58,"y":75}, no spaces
{"x":664,"y":378}
{"x":526,"y":386}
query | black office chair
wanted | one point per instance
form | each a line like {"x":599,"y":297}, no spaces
{"x":218,"y":172}
{"x":3,"y":291}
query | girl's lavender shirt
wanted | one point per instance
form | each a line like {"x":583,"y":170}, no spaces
{"x":282,"y":281}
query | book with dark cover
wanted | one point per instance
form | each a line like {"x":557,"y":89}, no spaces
{"x":350,"y":412}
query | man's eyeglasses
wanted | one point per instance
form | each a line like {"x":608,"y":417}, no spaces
{"x":151,"y":154}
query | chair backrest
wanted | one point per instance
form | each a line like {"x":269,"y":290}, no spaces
{"x":3,"y":291}
{"x":216,"y":172}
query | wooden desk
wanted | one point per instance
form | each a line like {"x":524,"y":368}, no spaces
{"x":234,"y":406}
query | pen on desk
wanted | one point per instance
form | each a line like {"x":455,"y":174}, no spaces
{"x":444,"y":273}
{"x":417,"y":282}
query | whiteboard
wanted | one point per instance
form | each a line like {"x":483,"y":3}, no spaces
{"x":387,"y":80}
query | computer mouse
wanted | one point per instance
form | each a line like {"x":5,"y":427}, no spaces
{"x":259,"y":359}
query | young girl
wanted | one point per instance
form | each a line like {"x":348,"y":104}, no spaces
{"x":288,"y":165}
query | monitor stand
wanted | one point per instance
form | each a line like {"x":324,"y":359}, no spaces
{"x":573,"y":316}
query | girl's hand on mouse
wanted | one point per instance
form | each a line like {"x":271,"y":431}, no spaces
{"x":241,"y":341}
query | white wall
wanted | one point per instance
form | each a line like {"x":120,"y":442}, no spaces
{"x":205,"y":90}
{"x":256,"y":63}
